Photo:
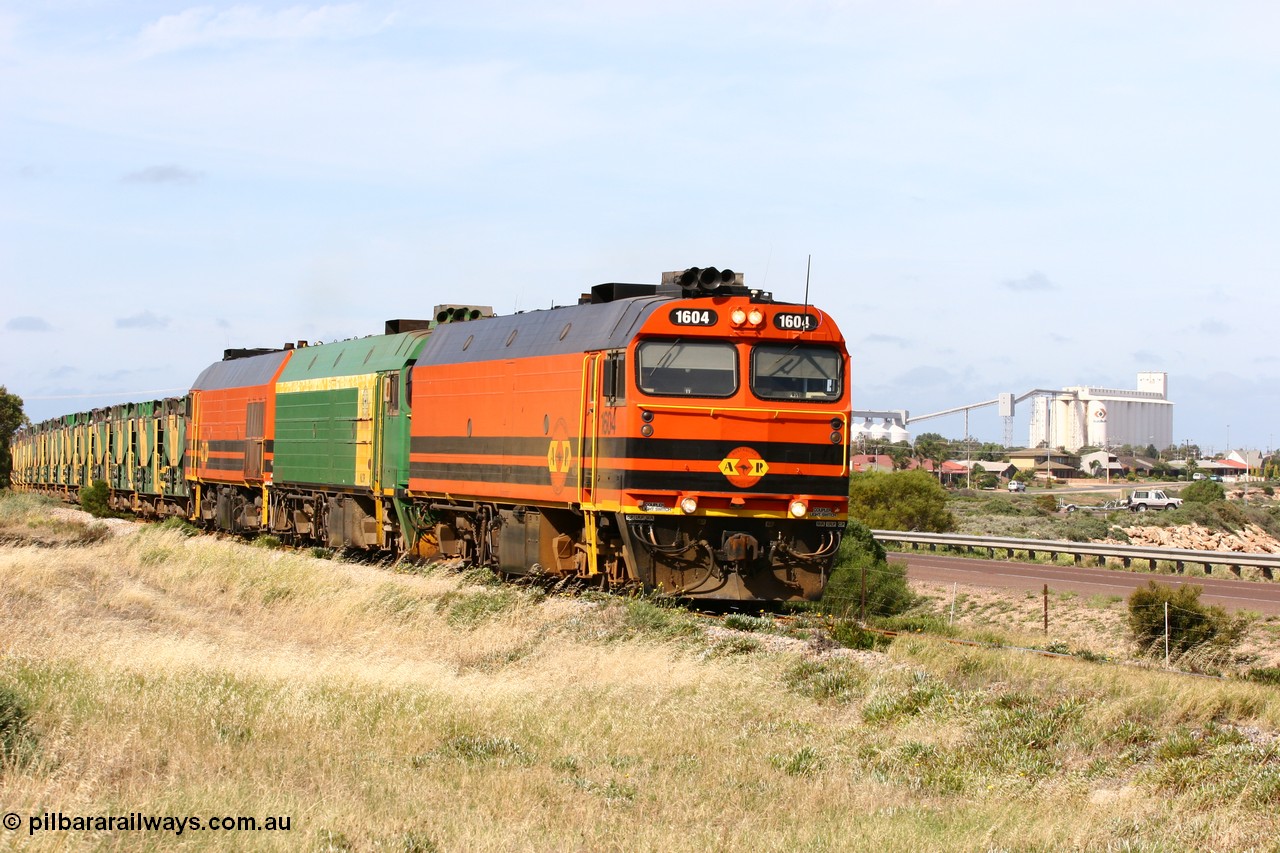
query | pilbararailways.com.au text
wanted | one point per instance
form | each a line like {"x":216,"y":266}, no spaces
{"x":138,"y":822}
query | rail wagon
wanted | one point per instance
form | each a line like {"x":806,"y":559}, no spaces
{"x":144,"y":457}
{"x":135,"y":448}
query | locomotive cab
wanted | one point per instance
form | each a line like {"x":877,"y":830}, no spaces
{"x":725,"y":456}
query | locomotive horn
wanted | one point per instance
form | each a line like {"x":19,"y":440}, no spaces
{"x":474,"y":315}
{"x":689,"y":278}
{"x":709,"y":278}
{"x":727,"y":276}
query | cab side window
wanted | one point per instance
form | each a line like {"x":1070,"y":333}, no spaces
{"x":615,"y":379}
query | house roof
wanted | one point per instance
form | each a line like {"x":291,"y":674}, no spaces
{"x":865,"y":461}
{"x":984,"y":464}
{"x":1252,"y":458}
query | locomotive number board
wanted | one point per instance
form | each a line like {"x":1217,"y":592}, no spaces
{"x":788,"y":322}
{"x":693,"y":317}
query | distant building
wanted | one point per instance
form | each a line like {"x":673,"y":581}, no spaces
{"x":986,"y":466}
{"x":1252,"y":459}
{"x":860,"y":462}
{"x":1044,"y":463}
{"x":1102,"y":463}
{"x":1105,"y":417}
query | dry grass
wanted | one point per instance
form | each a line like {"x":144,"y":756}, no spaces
{"x":389,"y":711}
{"x":1092,"y":625}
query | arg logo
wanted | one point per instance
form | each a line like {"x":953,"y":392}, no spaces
{"x":743,"y":467}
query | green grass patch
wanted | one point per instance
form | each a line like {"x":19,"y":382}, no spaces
{"x":833,"y":680}
{"x":471,"y":608}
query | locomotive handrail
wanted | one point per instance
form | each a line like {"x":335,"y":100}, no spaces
{"x":1126,"y":553}
{"x":584,"y":407}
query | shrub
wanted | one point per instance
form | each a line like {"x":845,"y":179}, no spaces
{"x":1203,"y":492}
{"x":902,"y":500}
{"x":740,"y":622}
{"x":93,"y":500}
{"x":858,"y":538}
{"x":1047,"y":504}
{"x":1216,"y":515}
{"x":1083,"y":527}
{"x":1191,"y":624}
{"x":862,"y":559}
{"x":851,"y":635}
{"x":1264,"y":675}
{"x":181,"y":525}
{"x":16,"y":738}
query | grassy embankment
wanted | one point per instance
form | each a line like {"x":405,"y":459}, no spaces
{"x":157,"y":673}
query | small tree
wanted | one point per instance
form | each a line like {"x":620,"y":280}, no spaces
{"x":1204,"y":492}
{"x":1191,"y":625}
{"x":902,"y":500}
{"x":12,"y":419}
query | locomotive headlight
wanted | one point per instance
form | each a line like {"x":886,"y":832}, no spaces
{"x":756,"y":317}
{"x":798,"y":508}
{"x":689,"y":506}
{"x":738,"y":316}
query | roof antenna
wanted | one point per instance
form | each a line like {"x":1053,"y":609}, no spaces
{"x":807,"y":268}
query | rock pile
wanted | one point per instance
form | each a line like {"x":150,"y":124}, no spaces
{"x":1249,"y":540}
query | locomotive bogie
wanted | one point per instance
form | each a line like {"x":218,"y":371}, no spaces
{"x":733,"y":558}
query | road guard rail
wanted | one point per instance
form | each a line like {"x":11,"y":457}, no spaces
{"x":1179,"y":557}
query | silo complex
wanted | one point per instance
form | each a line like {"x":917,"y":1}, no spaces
{"x":1105,"y":417}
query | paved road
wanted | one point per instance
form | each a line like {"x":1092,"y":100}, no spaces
{"x":1260,"y":597}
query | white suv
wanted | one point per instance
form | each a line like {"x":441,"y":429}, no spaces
{"x":1017,"y":486}
{"x":1145,"y":499}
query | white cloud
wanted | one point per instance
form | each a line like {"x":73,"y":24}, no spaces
{"x":206,"y":25}
{"x":28,"y":324}
{"x":142,"y":320}
{"x":169,"y":174}
{"x":1034,"y":282}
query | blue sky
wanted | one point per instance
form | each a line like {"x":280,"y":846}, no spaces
{"x":996,"y":196}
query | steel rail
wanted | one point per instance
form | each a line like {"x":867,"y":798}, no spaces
{"x":1234,"y":560}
